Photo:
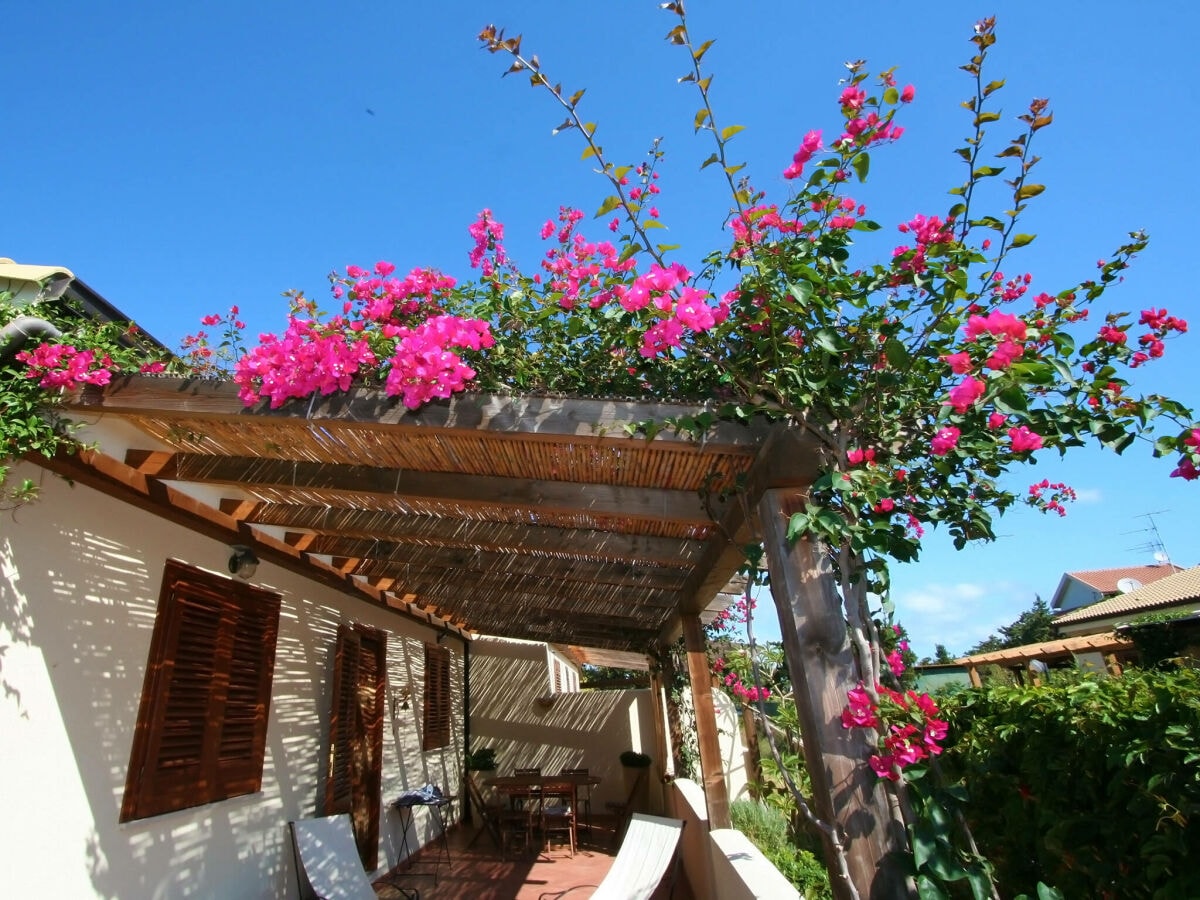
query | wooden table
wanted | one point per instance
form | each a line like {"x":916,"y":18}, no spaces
{"x":514,"y":785}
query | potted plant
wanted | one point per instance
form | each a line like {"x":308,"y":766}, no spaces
{"x":635,"y":766}
{"x":481,"y":760}
{"x":632,"y":759}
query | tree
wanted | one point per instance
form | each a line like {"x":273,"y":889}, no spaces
{"x":1033,"y":626}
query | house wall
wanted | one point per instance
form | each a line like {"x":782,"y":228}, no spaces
{"x":513,"y":711}
{"x":1076,"y":594}
{"x":79,"y":582}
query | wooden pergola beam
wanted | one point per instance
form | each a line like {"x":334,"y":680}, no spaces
{"x":480,"y":491}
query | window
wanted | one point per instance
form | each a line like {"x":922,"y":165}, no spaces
{"x":201,"y":730}
{"x":355,"y":765}
{"x":436,"y":714}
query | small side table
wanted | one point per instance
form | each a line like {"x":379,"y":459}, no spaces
{"x":404,"y":809}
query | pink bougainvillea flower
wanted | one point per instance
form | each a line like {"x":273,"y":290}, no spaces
{"x":959,"y":363}
{"x":944,"y":441}
{"x":907,"y":95}
{"x":965,"y":394}
{"x":997,"y":420}
{"x":1024,"y":440}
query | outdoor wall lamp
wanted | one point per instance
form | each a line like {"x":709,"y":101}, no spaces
{"x":242,"y":562}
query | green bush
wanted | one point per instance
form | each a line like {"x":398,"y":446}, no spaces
{"x":1089,"y":784}
{"x":767,"y":828}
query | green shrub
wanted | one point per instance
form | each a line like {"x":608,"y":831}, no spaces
{"x":767,"y":828}
{"x":1090,"y":784}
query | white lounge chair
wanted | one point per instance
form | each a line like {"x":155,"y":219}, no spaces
{"x":648,"y":853}
{"x":327,"y":863}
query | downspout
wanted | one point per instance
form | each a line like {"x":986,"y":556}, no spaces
{"x":16,"y":333}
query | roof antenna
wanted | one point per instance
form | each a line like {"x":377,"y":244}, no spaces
{"x":1161,"y":557}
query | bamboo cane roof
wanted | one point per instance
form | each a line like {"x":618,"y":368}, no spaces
{"x":532,"y":517}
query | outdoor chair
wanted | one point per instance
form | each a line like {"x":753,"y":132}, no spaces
{"x":328,"y":867}
{"x":526,"y":799}
{"x":558,"y":811}
{"x":621,"y":810}
{"x":648,"y":857}
{"x":503,"y":823}
{"x":583,"y":796}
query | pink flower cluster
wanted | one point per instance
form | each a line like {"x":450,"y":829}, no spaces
{"x":423,"y":368}
{"x":733,"y":681}
{"x":808,"y":148}
{"x":1187,"y":464}
{"x":905,"y":743}
{"x":488,"y":254}
{"x":945,"y":440}
{"x":308,"y":358}
{"x":396,"y":316}
{"x":62,"y":365}
{"x":928,"y":232}
{"x":1049,"y":496}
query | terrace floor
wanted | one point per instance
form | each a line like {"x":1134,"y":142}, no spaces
{"x":476,"y":870}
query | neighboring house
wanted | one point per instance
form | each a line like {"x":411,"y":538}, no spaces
{"x":1176,"y":593}
{"x":1078,"y":589}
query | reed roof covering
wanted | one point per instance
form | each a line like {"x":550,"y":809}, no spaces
{"x":530,"y":517}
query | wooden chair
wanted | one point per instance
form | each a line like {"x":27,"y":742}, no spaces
{"x":584,"y":798}
{"x":504,"y":824}
{"x":622,"y":810}
{"x":558,"y":811}
{"x":526,"y":799}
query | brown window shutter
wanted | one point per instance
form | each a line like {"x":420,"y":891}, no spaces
{"x":202,"y":723}
{"x":437,"y":709}
{"x":355,"y":766}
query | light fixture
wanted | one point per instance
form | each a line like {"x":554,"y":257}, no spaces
{"x":242,"y":562}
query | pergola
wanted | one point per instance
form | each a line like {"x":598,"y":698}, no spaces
{"x":541,"y":518}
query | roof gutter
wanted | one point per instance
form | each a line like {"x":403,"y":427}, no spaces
{"x":16,"y":333}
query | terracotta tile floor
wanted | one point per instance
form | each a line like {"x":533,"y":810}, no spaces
{"x":477,"y":872}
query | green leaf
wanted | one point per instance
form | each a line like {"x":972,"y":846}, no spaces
{"x":708,"y":162}
{"x":861,"y":164}
{"x":1020,"y":240}
{"x":730,"y":130}
{"x":927,"y":889}
{"x":610,"y":203}
{"x":801,"y":292}
{"x":1046,"y":892}
{"x":891,"y":96}
{"x":987,"y":171}
{"x":1030,"y":190}
{"x":701,"y":118}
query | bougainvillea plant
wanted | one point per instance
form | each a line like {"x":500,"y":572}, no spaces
{"x":921,"y":379}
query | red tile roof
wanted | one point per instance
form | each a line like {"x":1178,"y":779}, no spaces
{"x":1105,"y":580}
{"x":1182,"y":587}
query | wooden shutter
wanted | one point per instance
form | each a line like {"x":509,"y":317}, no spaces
{"x":202,"y":723}
{"x":355,"y":766}
{"x":557,"y":677}
{"x":437,"y":710}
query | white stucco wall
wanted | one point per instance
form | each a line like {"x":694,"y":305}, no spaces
{"x":79,"y":583}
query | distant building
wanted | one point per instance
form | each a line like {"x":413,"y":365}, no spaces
{"x":1084,"y":588}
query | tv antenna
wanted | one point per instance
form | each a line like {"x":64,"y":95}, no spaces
{"x":1155,"y":544}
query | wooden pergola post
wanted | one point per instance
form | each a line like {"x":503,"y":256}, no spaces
{"x":846,"y":792}
{"x":712,"y":773}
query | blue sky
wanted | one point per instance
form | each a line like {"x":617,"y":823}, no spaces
{"x":182,"y":158}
